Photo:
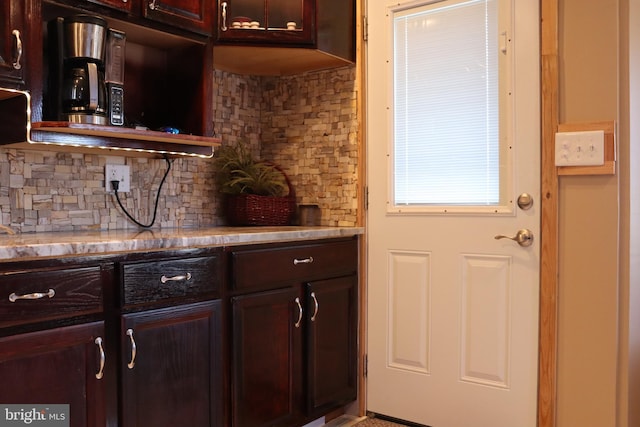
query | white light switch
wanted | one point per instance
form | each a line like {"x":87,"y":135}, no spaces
{"x":580,"y":148}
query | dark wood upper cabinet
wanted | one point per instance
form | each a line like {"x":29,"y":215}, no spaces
{"x":194,"y":15}
{"x":124,"y":5}
{"x":277,"y":22}
{"x":190,"y":15}
{"x":168,"y":76}
{"x":256,"y":36}
{"x":13,"y":30}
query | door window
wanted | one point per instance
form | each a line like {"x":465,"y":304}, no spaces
{"x":451,"y":145}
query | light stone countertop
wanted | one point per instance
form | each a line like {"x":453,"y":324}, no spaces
{"x":60,"y":244}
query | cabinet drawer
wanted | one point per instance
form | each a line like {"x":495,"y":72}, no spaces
{"x":27,"y":297}
{"x":268,"y":267}
{"x":147,"y":282}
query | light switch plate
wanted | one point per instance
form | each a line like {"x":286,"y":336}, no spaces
{"x":584,"y":148}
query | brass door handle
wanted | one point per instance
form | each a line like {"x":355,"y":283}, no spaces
{"x":299,"y":321}
{"x":100,"y":373}
{"x":316,"y":306}
{"x":523,"y":237}
{"x":132,"y":362}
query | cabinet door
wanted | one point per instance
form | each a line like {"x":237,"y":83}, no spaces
{"x":171,"y":371}
{"x":12,"y":33}
{"x":124,"y":5}
{"x":266,"y":368}
{"x":192,"y":15}
{"x":57,"y":366}
{"x":332,"y":318}
{"x":276,"y":22}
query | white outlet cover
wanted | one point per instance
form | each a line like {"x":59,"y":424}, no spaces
{"x":120,"y":173}
{"x":585,"y":148}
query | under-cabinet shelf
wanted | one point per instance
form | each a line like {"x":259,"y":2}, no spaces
{"x":121,"y":138}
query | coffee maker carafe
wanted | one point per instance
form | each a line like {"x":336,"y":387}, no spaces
{"x":77,"y":87}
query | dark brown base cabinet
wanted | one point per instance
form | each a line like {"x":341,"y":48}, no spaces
{"x":251,"y":336}
{"x":331,"y":344}
{"x":56,"y":366}
{"x":171,"y":366}
{"x":294,"y":342}
{"x":266,"y":359}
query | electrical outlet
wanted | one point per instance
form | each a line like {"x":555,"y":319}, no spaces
{"x":120,"y":173}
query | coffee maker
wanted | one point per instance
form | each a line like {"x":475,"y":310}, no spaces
{"x":77,"y":89}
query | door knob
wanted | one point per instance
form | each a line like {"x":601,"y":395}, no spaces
{"x":523,"y":237}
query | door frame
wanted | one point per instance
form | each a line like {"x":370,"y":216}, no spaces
{"x":549,"y":101}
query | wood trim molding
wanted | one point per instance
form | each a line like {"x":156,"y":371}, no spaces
{"x":548,"y":333}
{"x":362,"y":207}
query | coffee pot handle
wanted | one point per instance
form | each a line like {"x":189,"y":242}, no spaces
{"x":93,"y":86}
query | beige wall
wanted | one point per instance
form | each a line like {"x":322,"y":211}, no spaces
{"x":588,"y":224}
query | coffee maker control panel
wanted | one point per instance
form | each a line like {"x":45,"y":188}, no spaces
{"x":116,"y":98}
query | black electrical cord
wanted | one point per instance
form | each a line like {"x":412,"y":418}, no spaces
{"x":114,"y":185}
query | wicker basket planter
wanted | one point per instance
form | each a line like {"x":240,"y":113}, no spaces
{"x":249,"y":209}
{"x":252,"y":209}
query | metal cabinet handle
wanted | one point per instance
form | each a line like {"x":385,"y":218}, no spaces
{"x":100,"y":373}
{"x":315,"y":302}
{"x":523,"y":237}
{"x":152,"y":5}
{"x":165,"y":279}
{"x":223,"y":6}
{"x":297,"y":261}
{"x":17,"y":65}
{"x":36,"y":295}
{"x":297,"y":325}
{"x":132,"y":362}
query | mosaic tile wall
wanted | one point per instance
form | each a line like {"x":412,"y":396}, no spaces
{"x":47,"y":191}
{"x":305,"y":123}
{"x":309,"y":126}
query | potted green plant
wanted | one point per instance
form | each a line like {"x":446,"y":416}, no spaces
{"x":256,"y":192}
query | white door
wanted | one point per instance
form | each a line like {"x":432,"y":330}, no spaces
{"x":453,"y":311}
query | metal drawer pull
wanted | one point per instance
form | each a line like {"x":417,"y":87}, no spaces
{"x":36,"y":295}
{"x":132,"y":363}
{"x":223,"y":5}
{"x":297,"y":325}
{"x":315,"y":302}
{"x":17,"y":65}
{"x":100,"y":373}
{"x":165,"y":279}
{"x":297,"y":261}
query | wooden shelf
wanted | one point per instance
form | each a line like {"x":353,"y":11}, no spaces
{"x":144,"y":142}
{"x":17,"y":131}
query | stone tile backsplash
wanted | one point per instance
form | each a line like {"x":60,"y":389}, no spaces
{"x":305,"y":123}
